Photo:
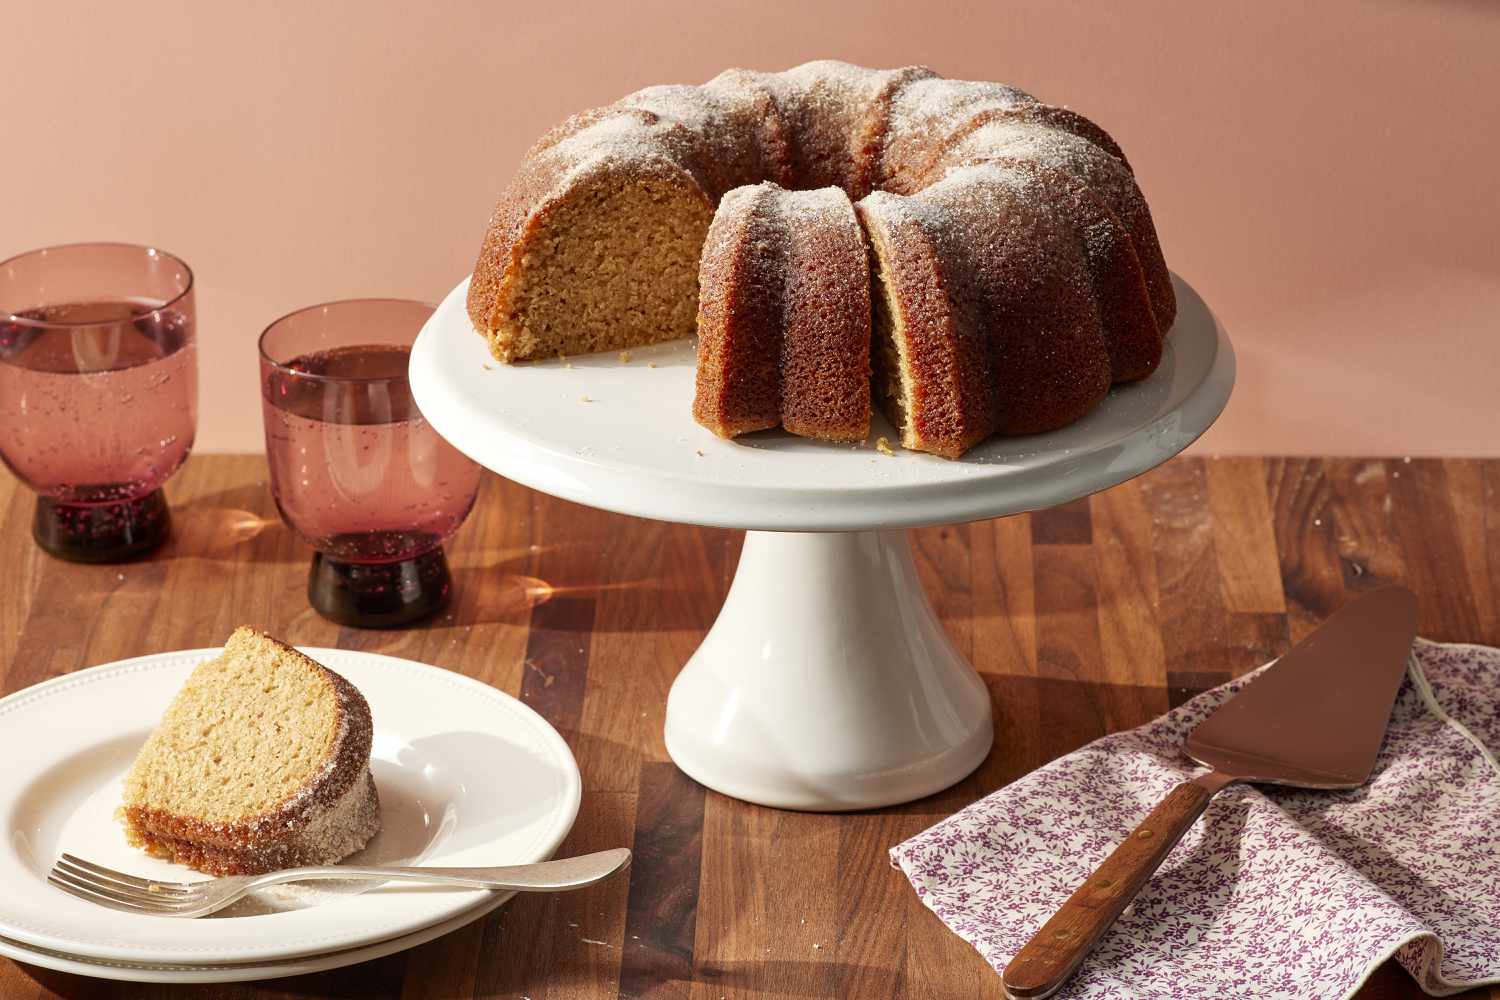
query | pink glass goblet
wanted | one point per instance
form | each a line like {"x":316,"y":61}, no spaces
{"x":355,"y":469}
{"x":98,"y":392}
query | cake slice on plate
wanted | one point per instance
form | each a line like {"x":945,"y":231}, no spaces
{"x":261,"y":762}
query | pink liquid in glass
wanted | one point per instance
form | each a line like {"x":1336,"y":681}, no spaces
{"x":97,"y":413}
{"x":354,"y":466}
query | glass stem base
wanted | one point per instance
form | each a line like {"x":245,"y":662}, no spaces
{"x":379,"y":595}
{"x":102,"y":533}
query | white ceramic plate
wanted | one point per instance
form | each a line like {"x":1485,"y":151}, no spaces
{"x":145,"y":972}
{"x":467,"y":776}
{"x":621,"y":437}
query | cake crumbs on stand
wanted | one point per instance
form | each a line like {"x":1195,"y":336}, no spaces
{"x":883,"y":446}
{"x":624,"y":357}
{"x":585,"y":399}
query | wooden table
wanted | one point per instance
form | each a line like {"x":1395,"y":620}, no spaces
{"x":1083,"y":620}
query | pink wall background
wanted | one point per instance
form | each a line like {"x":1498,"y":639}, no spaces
{"x":1326,"y":174}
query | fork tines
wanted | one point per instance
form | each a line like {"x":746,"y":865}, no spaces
{"x":119,"y":891}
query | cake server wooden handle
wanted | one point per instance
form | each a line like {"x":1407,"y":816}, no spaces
{"x":1050,"y":957}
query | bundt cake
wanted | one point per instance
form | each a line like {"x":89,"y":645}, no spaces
{"x":784,"y":316}
{"x":1015,"y":268}
{"x":261,"y":762}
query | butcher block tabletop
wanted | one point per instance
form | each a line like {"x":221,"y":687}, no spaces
{"x":1082,"y":620}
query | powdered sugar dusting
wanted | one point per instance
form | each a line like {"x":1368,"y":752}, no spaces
{"x":619,"y":139}
{"x":807,"y":127}
{"x":823,"y":207}
{"x":796,"y":214}
{"x":939,"y":105}
{"x":1009,"y":190}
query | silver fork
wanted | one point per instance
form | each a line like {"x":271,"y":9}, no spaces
{"x":132,"y":894}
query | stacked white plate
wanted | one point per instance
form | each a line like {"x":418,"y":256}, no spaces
{"x":468,"y":776}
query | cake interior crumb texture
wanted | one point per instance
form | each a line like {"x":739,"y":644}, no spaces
{"x":617,"y":268}
{"x":261,"y":761}
{"x":890,"y":383}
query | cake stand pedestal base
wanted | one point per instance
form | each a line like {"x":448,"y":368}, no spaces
{"x":827,"y":681}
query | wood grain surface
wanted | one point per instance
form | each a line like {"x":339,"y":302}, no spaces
{"x":1082,"y":620}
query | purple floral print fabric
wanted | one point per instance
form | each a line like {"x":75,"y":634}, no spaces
{"x":1274,"y":892}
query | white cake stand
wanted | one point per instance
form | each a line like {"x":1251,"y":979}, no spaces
{"x":827,"y":681}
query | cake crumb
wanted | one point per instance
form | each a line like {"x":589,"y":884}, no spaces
{"x":650,"y":364}
{"x":585,"y":399}
{"x":488,"y":367}
{"x":884,"y":447}
{"x":699,"y":452}
{"x":624,"y":357}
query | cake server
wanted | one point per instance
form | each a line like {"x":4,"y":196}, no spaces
{"x":1314,"y":719}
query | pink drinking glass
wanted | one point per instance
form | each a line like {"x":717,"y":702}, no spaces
{"x":98,"y":392}
{"x":355,"y":469}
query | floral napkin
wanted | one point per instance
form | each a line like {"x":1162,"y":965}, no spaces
{"x":1274,"y":892}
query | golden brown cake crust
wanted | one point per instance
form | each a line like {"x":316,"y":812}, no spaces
{"x":277,"y":838}
{"x":738,"y":378}
{"x":996,"y":347}
{"x":1006,"y":343}
{"x":784,"y":316}
{"x":249,"y":855}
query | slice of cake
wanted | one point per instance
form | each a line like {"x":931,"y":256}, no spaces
{"x":261,"y":762}
{"x":784,"y":316}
